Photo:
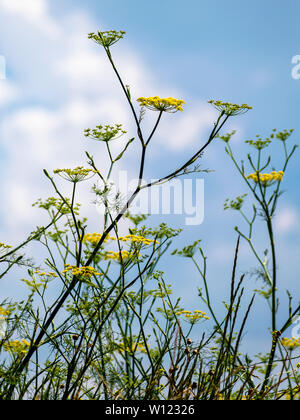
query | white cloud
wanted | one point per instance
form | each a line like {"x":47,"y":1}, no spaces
{"x":188,"y":128}
{"x":286,"y":220}
{"x":32,"y":11}
{"x":84,"y":70}
{"x":29,"y":133}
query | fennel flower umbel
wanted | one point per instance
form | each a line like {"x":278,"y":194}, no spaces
{"x":156,"y":103}
{"x":75,"y":175}
{"x":266,"y":179}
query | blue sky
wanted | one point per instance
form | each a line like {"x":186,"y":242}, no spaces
{"x":58,"y":83}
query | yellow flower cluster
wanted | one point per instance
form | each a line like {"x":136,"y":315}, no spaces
{"x":156,"y":103}
{"x":291,"y":343}
{"x":230,"y":109}
{"x":44,"y":274}
{"x":137,"y":239}
{"x":266,"y":179}
{"x":125,"y":255}
{"x":194,"y":316}
{"x":4,"y":312}
{"x":81,"y":271}
{"x":94,"y":238}
{"x":75,"y":175}
{"x":17,"y":347}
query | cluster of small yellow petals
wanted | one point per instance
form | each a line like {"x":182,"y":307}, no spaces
{"x":291,"y":343}
{"x":194,"y":316}
{"x":4,"y":312}
{"x":156,"y":103}
{"x":266,"y":179}
{"x":76,"y":175}
{"x":94,"y":238}
{"x":230,"y":109}
{"x":137,"y":239}
{"x":17,"y":346}
{"x":118,"y":256}
{"x":81,"y":271}
{"x":44,"y":274}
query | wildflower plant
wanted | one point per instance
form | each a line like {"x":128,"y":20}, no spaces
{"x":101,"y":321}
{"x":265,"y":190}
